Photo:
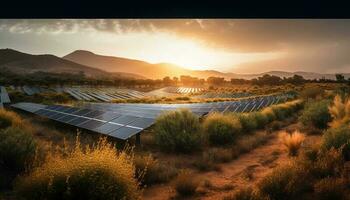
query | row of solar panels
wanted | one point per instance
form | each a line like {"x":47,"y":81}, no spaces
{"x":153,"y":110}
{"x":85,"y":93}
{"x":183,"y":90}
{"x":105,"y":94}
{"x":225,"y":95}
{"x":114,"y":124}
{"x":168,"y":91}
{"x":4,"y":97}
{"x":125,"y":120}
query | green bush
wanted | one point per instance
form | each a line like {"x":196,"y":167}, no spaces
{"x":312,"y":93}
{"x":261,"y":119}
{"x":178,"y":131}
{"x":99,"y":172}
{"x":18,"y":148}
{"x":248,"y":122}
{"x":336,"y":137}
{"x":221,"y":129}
{"x":269,"y":114}
{"x":316,"y":114}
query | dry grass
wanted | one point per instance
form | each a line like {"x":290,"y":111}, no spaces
{"x":151,"y":171}
{"x":340,"y":111}
{"x":9,"y":118}
{"x":185,"y":184}
{"x":292,"y":141}
{"x":91,"y":172}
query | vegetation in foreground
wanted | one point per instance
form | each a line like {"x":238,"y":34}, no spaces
{"x":98,"y":172}
{"x":317,"y":172}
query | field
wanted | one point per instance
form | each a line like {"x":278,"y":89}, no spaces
{"x":229,"y":142}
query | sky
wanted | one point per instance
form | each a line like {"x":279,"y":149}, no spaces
{"x":227,"y":45}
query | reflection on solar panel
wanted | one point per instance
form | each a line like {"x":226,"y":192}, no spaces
{"x":125,"y":120}
{"x":225,"y":95}
{"x":105,"y":94}
{"x":174,"y":90}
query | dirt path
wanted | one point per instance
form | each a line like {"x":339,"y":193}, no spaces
{"x":243,"y":172}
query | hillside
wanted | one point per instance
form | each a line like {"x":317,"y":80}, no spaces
{"x":23,"y":63}
{"x":160,"y":70}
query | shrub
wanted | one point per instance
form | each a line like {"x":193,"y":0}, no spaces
{"x":185,"y":184}
{"x":311,"y":93}
{"x":248,"y":122}
{"x":316,"y":114}
{"x":282,"y":111}
{"x":98,"y":172}
{"x":336,"y":137}
{"x":340,"y":112}
{"x":260,"y":119}
{"x":221,"y":129}
{"x":18,"y":148}
{"x":329,"y":163}
{"x":292,"y":141}
{"x":178,"y":131}
{"x":284,"y":182}
{"x":150,"y":171}
{"x":270,"y":115}
{"x":330,"y":188}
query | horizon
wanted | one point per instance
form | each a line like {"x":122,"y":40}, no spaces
{"x":225,"y":45}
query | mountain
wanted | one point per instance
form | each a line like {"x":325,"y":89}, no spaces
{"x":23,"y":63}
{"x":118,"y":64}
{"x":160,"y":70}
{"x":94,"y":65}
{"x":306,"y":75}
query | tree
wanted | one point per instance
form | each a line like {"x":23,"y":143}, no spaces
{"x":340,"y":78}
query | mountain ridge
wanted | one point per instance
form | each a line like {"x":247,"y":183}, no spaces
{"x":23,"y":63}
{"x":95,"y":65}
{"x":160,"y":70}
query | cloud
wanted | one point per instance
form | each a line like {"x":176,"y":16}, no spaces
{"x":229,"y":34}
{"x":308,"y":45}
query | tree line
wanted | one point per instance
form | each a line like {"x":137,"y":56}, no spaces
{"x":48,"y":79}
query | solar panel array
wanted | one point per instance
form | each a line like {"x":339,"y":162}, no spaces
{"x":102,"y":94}
{"x":31,"y":90}
{"x":225,"y":95}
{"x":4,"y":97}
{"x":122,"y":121}
{"x":166,"y":91}
{"x":114,"y":124}
{"x":153,"y":110}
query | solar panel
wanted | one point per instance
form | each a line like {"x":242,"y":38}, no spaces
{"x":91,"y":124}
{"x":124,"y":132}
{"x":142,"y":122}
{"x":125,"y":120}
{"x":107,"y":128}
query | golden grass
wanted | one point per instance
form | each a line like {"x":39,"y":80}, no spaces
{"x":185,"y":184}
{"x":340,"y":111}
{"x":292,"y":141}
{"x":91,"y":172}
